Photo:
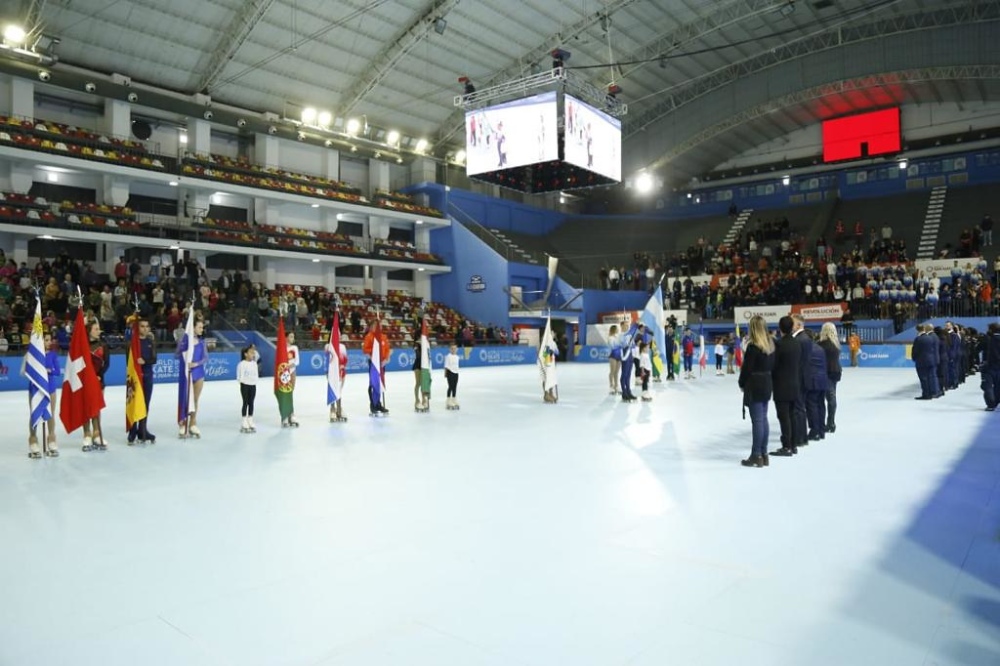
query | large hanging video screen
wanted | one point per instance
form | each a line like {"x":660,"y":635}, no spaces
{"x":512,"y":134}
{"x":593,"y":139}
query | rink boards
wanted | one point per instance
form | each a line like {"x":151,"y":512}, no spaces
{"x":870,"y":356}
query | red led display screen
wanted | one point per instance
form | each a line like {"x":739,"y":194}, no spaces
{"x":863,"y":135}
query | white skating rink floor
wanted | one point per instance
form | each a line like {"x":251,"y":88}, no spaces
{"x":509,"y":533}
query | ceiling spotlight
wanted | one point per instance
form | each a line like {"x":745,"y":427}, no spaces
{"x":300,"y":136}
{"x":420,"y":221}
{"x":353,"y":125}
{"x":421,"y":145}
{"x":315,"y":261}
{"x":14,"y":34}
{"x":392,"y":138}
{"x":314,"y":205}
{"x":46,"y":237}
{"x":207,"y":115}
{"x":90,"y":86}
{"x":354,"y":149}
{"x":174,"y":247}
{"x":786,"y":180}
{"x":644,"y":183}
{"x":378,"y":154}
{"x":324,"y":118}
{"x":133,"y":97}
{"x":440,"y":25}
{"x":308,"y":115}
{"x":53,"y":177}
{"x":399,"y":160}
{"x":242,"y":122}
{"x":559,"y":58}
{"x":460,"y":156}
{"x":272,"y":130}
{"x":903,"y":164}
{"x":173,"y":183}
{"x":328,"y":143}
{"x":44,"y":76}
{"x":183,"y":138}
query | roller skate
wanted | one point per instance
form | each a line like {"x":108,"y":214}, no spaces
{"x":34,"y":452}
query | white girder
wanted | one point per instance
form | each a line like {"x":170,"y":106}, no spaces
{"x":394,"y":50}
{"x":232,"y":38}
{"x":985,"y":10}
{"x":922,"y":75}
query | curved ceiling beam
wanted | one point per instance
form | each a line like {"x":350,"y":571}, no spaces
{"x":523,"y":64}
{"x":244,"y":21}
{"x":987,"y":10}
{"x":860,"y":84}
{"x":394,"y":50}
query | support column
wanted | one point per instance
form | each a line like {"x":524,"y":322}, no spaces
{"x":331,"y":164}
{"x":192,"y":202}
{"x":329,"y":277}
{"x":117,"y":118}
{"x":380,"y":281}
{"x":422,"y":237}
{"x":378,"y":176}
{"x":330,"y":221}
{"x":266,"y":149}
{"x":422,"y":285}
{"x":20,"y":249}
{"x":111,"y":253}
{"x":423,"y":170}
{"x":270,"y":273}
{"x":265,"y":212}
{"x":199,"y":137}
{"x":16,"y":177}
{"x":22,"y":97}
{"x":115,"y":191}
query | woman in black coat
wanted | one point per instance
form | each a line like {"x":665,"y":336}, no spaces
{"x":755,"y":381}
{"x":828,"y":341}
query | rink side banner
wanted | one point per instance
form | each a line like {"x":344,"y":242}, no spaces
{"x":314,"y":362}
{"x":815,"y":312}
{"x":870,"y":356}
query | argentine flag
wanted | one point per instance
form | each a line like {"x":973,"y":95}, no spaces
{"x":38,"y":377}
{"x":652,"y":319}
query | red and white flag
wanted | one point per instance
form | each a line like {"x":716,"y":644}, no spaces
{"x":82,"y":398}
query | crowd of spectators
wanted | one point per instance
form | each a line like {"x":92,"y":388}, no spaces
{"x":162,"y":294}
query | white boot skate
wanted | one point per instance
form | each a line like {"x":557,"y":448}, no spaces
{"x":251,"y":425}
{"x":51,"y":448}
{"x":245,"y":425}
{"x":646,"y":396}
{"x":194,"y":431}
{"x":34,"y":451}
{"x":88,"y":443}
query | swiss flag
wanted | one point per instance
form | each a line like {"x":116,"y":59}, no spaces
{"x":81,"y":397}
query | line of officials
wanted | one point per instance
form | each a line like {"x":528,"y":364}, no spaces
{"x":800,"y":371}
{"x":945,"y":356}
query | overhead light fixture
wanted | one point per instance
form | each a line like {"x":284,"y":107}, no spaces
{"x":562,"y":199}
{"x":689,"y":195}
{"x":315,"y":261}
{"x":399,"y":160}
{"x":328,"y":143}
{"x":208,"y":115}
{"x":420,"y":221}
{"x":353,"y":125}
{"x":393,"y":138}
{"x":421,"y":145}
{"x":314,"y":206}
{"x":90,"y":86}
{"x":272,"y":130}
{"x":786,"y":180}
{"x":378,"y":154}
{"x":421,"y":269}
{"x":903,"y":164}
{"x":354,"y":149}
{"x":174,"y":247}
{"x":183,"y":138}
{"x":53,"y":177}
{"x":644,"y":183}
{"x":14,"y":34}
{"x":308,"y":115}
{"x":173,"y":183}
{"x":46,"y":237}
{"x":460,"y":156}
{"x":440,"y":25}
{"x":324,"y":118}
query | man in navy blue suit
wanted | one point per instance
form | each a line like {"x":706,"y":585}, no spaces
{"x":926,"y":358}
{"x":806,"y":371}
{"x":990,"y":377}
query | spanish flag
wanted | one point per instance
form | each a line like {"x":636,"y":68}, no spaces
{"x":135,"y":399}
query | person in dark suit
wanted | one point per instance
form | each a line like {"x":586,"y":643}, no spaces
{"x":954,"y":342}
{"x":831,"y":346}
{"x":786,"y":385}
{"x":756,"y":383}
{"x":990,"y":371}
{"x":942,"y":366}
{"x":800,"y":419}
{"x":925,"y":358}
{"x":815,"y":390}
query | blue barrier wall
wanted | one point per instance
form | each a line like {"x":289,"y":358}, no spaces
{"x":491,"y":212}
{"x":475,"y":286}
{"x":871,"y":356}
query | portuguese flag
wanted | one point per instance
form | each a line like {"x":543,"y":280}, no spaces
{"x":284,"y":380}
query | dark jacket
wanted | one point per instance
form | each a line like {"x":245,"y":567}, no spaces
{"x":925,"y":350}
{"x":755,"y":375}
{"x":806,"y":368}
{"x":833,"y":369}
{"x":816,"y":377}
{"x":991,"y":352}
{"x":785,"y":374}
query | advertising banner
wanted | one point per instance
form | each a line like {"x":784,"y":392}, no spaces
{"x":770,"y":313}
{"x":820,"y":311}
{"x":627,"y":317}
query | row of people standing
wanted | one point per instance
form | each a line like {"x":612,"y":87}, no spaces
{"x":799,"y":371}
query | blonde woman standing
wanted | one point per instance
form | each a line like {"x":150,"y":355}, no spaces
{"x":831,"y":346}
{"x":755,"y":382}
{"x":614,"y":360}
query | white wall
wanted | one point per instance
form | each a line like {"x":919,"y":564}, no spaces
{"x":303,"y":217}
{"x":224,"y":144}
{"x":300,"y":157}
{"x":919,"y":121}
{"x":354,"y":172}
{"x":5,"y":95}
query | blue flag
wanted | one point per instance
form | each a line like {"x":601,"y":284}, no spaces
{"x":38,"y":375}
{"x":652,"y":318}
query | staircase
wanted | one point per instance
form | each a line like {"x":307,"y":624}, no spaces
{"x":932,"y":223}
{"x":738,"y":225}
